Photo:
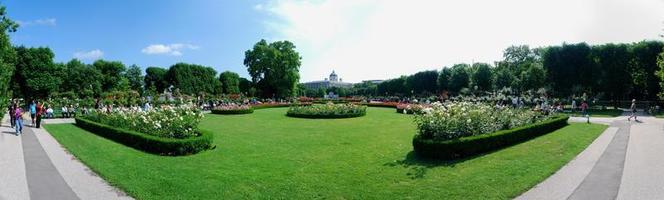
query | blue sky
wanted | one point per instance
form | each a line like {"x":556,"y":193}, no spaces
{"x":359,"y":39}
{"x":207,"y":32}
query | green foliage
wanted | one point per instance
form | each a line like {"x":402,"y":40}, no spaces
{"x":155,"y":77}
{"x":532,"y":78}
{"x":395,"y":86}
{"x":149,"y":143}
{"x":245,"y":85}
{"x":111,"y":72}
{"x":474,"y":145}
{"x":36,"y":75}
{"x":232,"y":110}
{"x":274,"y":68}
{"x":481,"y":77}
{"x":459,"y":77}
{"x":192,"y":79}
{"x":327,"y":111}
{"x":423,"y":82}
{"x":444,"y":79}
{"x":135,"y":78}
{"x":616,"y":79}
{"x":230,"y":82}
{"x":167,"y":122}
{"x":660,"y":72}
{"x":81,"y":79}
{"x":7,"y":57}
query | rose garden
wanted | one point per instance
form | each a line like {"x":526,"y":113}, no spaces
{"x":468,"y":131}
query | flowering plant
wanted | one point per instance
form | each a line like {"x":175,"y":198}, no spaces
{"x":232,"y":107}
{"x":328,"y":110}
{"x":167,"y":121}
{"x":460,"y":119}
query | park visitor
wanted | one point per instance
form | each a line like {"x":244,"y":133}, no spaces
{"x":33,"y":112}
{"x":40,"y":112}
{"x":12,"y":118}
{"x":584,"y":108}
{"x":633,"y":109}
{"x":18,"y":116}
{"x":65,"y":114}
{"x":49,"y":112}
{"x":72,"y":111}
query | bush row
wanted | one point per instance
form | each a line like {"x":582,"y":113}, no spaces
{"x":233,"y":112}
{"x":149,"y":143}
{"x":326,"y":116}
{"x":473,"y":145}
{"x":382,"y":105}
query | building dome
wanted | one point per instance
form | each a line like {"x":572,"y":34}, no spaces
{"x":333,"y":76}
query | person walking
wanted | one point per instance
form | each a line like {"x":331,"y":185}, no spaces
{"x":33,"y":112}
{"x":18,"y":114}
{"x":584,"y":108}
{"x":40,"y":112}
{"x":12,"y":117}
{"x":633,"y":109}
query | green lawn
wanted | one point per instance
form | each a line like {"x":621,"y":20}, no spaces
{"x":267,"y":155}
{"x":600,"y":113}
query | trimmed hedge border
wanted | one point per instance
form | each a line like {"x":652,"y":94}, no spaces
{"x":149,"y":143}
{"x":232,"y":112}
{"x":319,"y":116}
{"x":474,"y":145}
{"x":381,"y":105}
{"x":263,"y":106}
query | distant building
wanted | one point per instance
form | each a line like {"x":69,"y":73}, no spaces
{"x":373,"y":81}
{"x":332,"y":81}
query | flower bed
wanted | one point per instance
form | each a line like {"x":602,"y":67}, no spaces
{"x":381,"y":104}
{"x":410,"y":108}
{"x":327,"y":111}
{"x":456,"y":130}
{"x":232,"y":110}
{"x":166,"y":131}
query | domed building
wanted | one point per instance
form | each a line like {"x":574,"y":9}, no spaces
{"x":332,"y":81}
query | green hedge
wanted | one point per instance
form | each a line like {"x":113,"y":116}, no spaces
{"x":473,"y":145}
{"x":263,"y":106}
{"x":380,"y":105}
{"x":149,"y":143}
{"x":320,"y":116}
{"x":233,"y":112}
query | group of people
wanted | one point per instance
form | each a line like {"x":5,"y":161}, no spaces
{"x":36,"y":110}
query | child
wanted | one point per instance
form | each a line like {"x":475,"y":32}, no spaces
{"x":18,"y":114}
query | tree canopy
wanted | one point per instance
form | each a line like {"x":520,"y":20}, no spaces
{"x":274,"y":68}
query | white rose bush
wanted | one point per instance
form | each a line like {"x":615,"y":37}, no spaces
{"x":167,"y":121}
{"x":454,"y":120}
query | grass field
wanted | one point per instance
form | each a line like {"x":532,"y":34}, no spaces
{"x":268,"y":155}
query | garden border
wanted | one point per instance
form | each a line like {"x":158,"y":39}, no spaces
{"x":319,"y":116}
{"x":474,"y":145}
{"x":149,"y":143}
{"x":232,"y":112}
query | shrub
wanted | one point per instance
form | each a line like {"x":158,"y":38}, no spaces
{"x":410,"y":108}
{"x":167,"y":122}
{"x":232,"y":110}
{"x":381,"y":104}
{"x":329,"y":110}
{"x":149,"y":143}
{"x":473,"y":145}
{"x":455,"y":120}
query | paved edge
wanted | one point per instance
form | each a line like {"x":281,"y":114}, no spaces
{"x":44,"y":181}
{"x":603,"y":181}
{"x":562,"y":184}
{"x":642,"y":176}
{"x":13,"y":179}
{"x":83,"y":181}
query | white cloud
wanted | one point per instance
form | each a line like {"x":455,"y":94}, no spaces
{"x":379,"y":39}
{"x":171,"y":49}
{"x":38,"y":22}
{"x":89,"y":55}
{"x":258,"y":7}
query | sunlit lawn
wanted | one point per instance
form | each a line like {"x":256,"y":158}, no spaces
{"x":268,"y":155}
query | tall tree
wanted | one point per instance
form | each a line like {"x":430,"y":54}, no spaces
{"x":482,"y":76}
{"x":274,"y":68}
{"x":424,"y":82}
{"x":7,"y":55}
{"x":244,"y":86}
{"x":533,"y":78}
{"x":81,"y":79}
{"x":230,"y":82}
{"x":643,"y":66}
{"x":36,"y":75}
{"x":111,"y":74}
{"x":192,"y":79}
{"x":134,"y":76}
{"x":615,"y":79}
{"x":459,"y":78}
{"x":155,"y":79}
{"x":444,"y":79}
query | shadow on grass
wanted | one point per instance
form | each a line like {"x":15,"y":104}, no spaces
{"x":419,"y":165}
